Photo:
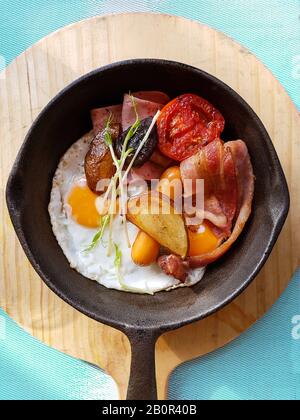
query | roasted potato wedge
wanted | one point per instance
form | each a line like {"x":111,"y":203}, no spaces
{"x":98,"y":161}
{"x":154,"y":214}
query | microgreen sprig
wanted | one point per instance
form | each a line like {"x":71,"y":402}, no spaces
{"x":119,"y":167}
{"x":133,"y":129}
{"x":141,"y":145}
{"x":114,"y":188}
{"x":118,"y":262}
{"x":117,"y":164}
{"x":99,"y":235}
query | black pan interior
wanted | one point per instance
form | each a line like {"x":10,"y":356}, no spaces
{"x":66,"y":119}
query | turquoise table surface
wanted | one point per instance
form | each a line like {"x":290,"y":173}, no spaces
{"x":263,"y":363}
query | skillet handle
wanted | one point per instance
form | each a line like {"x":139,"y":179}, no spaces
{"x":142,"y":380}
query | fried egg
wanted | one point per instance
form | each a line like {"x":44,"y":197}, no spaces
{"x":75,"y":221}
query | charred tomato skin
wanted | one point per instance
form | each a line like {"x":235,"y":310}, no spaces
{"x":186,"y":124}
{"x":148,"y":148}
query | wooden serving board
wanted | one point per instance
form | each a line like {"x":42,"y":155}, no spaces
{"x":35,"y":77}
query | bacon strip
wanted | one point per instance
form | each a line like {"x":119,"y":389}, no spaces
{"x":149,"y":171}
{"x":215,"y":165}
{"x":153,"y":96}
{"x":245,"y":180}
{"x":174,"y":266}
{"x":101,"y":115}
{"x":147,"y":104}
{"x":144,"y":109}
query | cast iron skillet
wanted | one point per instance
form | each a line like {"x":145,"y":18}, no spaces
{"x":142,"y":318}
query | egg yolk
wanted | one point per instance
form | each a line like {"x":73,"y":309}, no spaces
{"x":202,"y":241}
{"x":83,"y":204}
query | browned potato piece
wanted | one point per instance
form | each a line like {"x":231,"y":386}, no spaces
{"x":154,"y":214}
{"x":98,"y":161}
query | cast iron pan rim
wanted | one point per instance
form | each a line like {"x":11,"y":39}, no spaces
{"x":15,"y":215}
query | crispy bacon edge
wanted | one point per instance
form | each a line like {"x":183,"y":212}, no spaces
{"x":246,"y":180}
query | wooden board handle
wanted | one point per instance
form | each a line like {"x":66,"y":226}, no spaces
{"x":142,"y":380}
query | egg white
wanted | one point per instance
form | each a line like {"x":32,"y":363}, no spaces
{"x":74,"y":238}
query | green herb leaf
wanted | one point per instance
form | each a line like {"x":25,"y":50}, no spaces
{"x":134,"y":107}
{"x":141,"y":145}
{"x":133,"y":129}
{"x":107,"y":135}
{"x":118,"y":263}
{"x":118,"y":257}
{"x":108,"y":138}
{"x":99,"y":235}
{"x":128,"y":152}
{"x":109,"y":121}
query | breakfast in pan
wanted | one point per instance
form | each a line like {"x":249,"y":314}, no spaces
{"x":152,"y":195}
{"x":181,"y":154}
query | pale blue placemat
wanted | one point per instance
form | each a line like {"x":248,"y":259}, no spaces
{"x":264,"y":363}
